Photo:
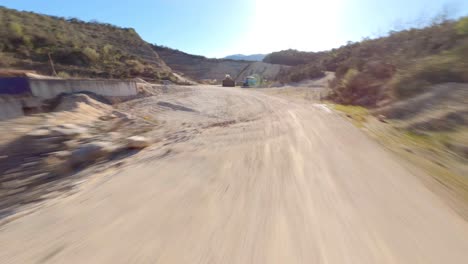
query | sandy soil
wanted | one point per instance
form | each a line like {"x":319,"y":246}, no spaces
{"x":245,"y":177}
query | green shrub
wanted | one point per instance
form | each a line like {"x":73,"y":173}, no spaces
{"x":135,"y":66}
{"x":462,"y":26}
{"x":27,"y":41}
{"x":16,"y":29}
{"x":63,"y":75}
{"x":107,"y":49}
{"x":350,"y":78}
{"x":91,"y":54}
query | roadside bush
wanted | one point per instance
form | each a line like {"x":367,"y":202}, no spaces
{"x":345,"y":89}
{"x":358,"y":88}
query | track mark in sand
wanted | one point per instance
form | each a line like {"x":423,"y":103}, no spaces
{"x":221,"y":124}
{"x":273,"y":181}
{"x":51,"y":254}
{"x":175,"y":107}
{"x":227,"y":123}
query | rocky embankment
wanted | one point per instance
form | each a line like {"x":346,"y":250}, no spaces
{"x":42,"y":154}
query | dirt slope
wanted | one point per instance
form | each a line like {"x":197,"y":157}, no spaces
{"x":245,"y":178}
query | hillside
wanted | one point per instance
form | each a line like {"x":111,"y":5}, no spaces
{"x":77,"y":48}
{"x":202,"y":68}
{"x":293,"y":57}
{"x":253,"y":57}
{"x":388,"y":68}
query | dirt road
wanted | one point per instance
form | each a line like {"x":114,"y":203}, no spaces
{"x":245,"y":177}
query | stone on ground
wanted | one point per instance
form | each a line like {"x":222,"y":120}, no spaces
{"x":138,"y":142}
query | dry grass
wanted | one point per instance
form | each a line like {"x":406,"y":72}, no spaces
{"x":429,"y":152}
{"x":433,"y":152}
{"x":357,"y":114}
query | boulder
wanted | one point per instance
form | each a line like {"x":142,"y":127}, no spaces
{"x":138,"y":142}
{"x":108,"y":117}
{"x":91,"y":152}
{"x":41,"y":132}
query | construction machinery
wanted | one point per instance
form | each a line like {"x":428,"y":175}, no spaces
{"x":250,"y":81}
{"x":228,"y":81}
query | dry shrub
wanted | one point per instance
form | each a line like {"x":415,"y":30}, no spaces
{"x":363,"y":87}
{"x":91,"y":54}
{"x":300,"y":73}
{"x":447,"y":67}
{"x":135,"y":67}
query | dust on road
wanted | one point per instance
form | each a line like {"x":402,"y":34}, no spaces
{"x":246,"y":178}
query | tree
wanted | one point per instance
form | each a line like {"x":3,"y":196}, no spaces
{"x":462,"y":26}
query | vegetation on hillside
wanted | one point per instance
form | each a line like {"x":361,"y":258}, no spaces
{"x":77,"y":48}
{"x":299,"y":73}
{"x":393,"y":67}
{"x":293,"y":57}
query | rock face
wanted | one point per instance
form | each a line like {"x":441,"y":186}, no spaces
{"x":138,"y":142}
{"x":201,"y":68}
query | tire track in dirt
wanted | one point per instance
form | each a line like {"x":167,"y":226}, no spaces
{"x":294,"y":184}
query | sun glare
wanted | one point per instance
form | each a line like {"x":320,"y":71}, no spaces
{"x":299,"y":24}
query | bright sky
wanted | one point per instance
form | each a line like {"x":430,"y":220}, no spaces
{"x":217,"y":28}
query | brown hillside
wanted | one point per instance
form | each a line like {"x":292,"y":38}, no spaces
{"x":77,"y":48}
{"x":396,"y":67}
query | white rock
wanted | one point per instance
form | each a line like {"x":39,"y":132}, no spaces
{"x":138,"y":142}
{"x":39,"y":133}
{"x":68,"y":130}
